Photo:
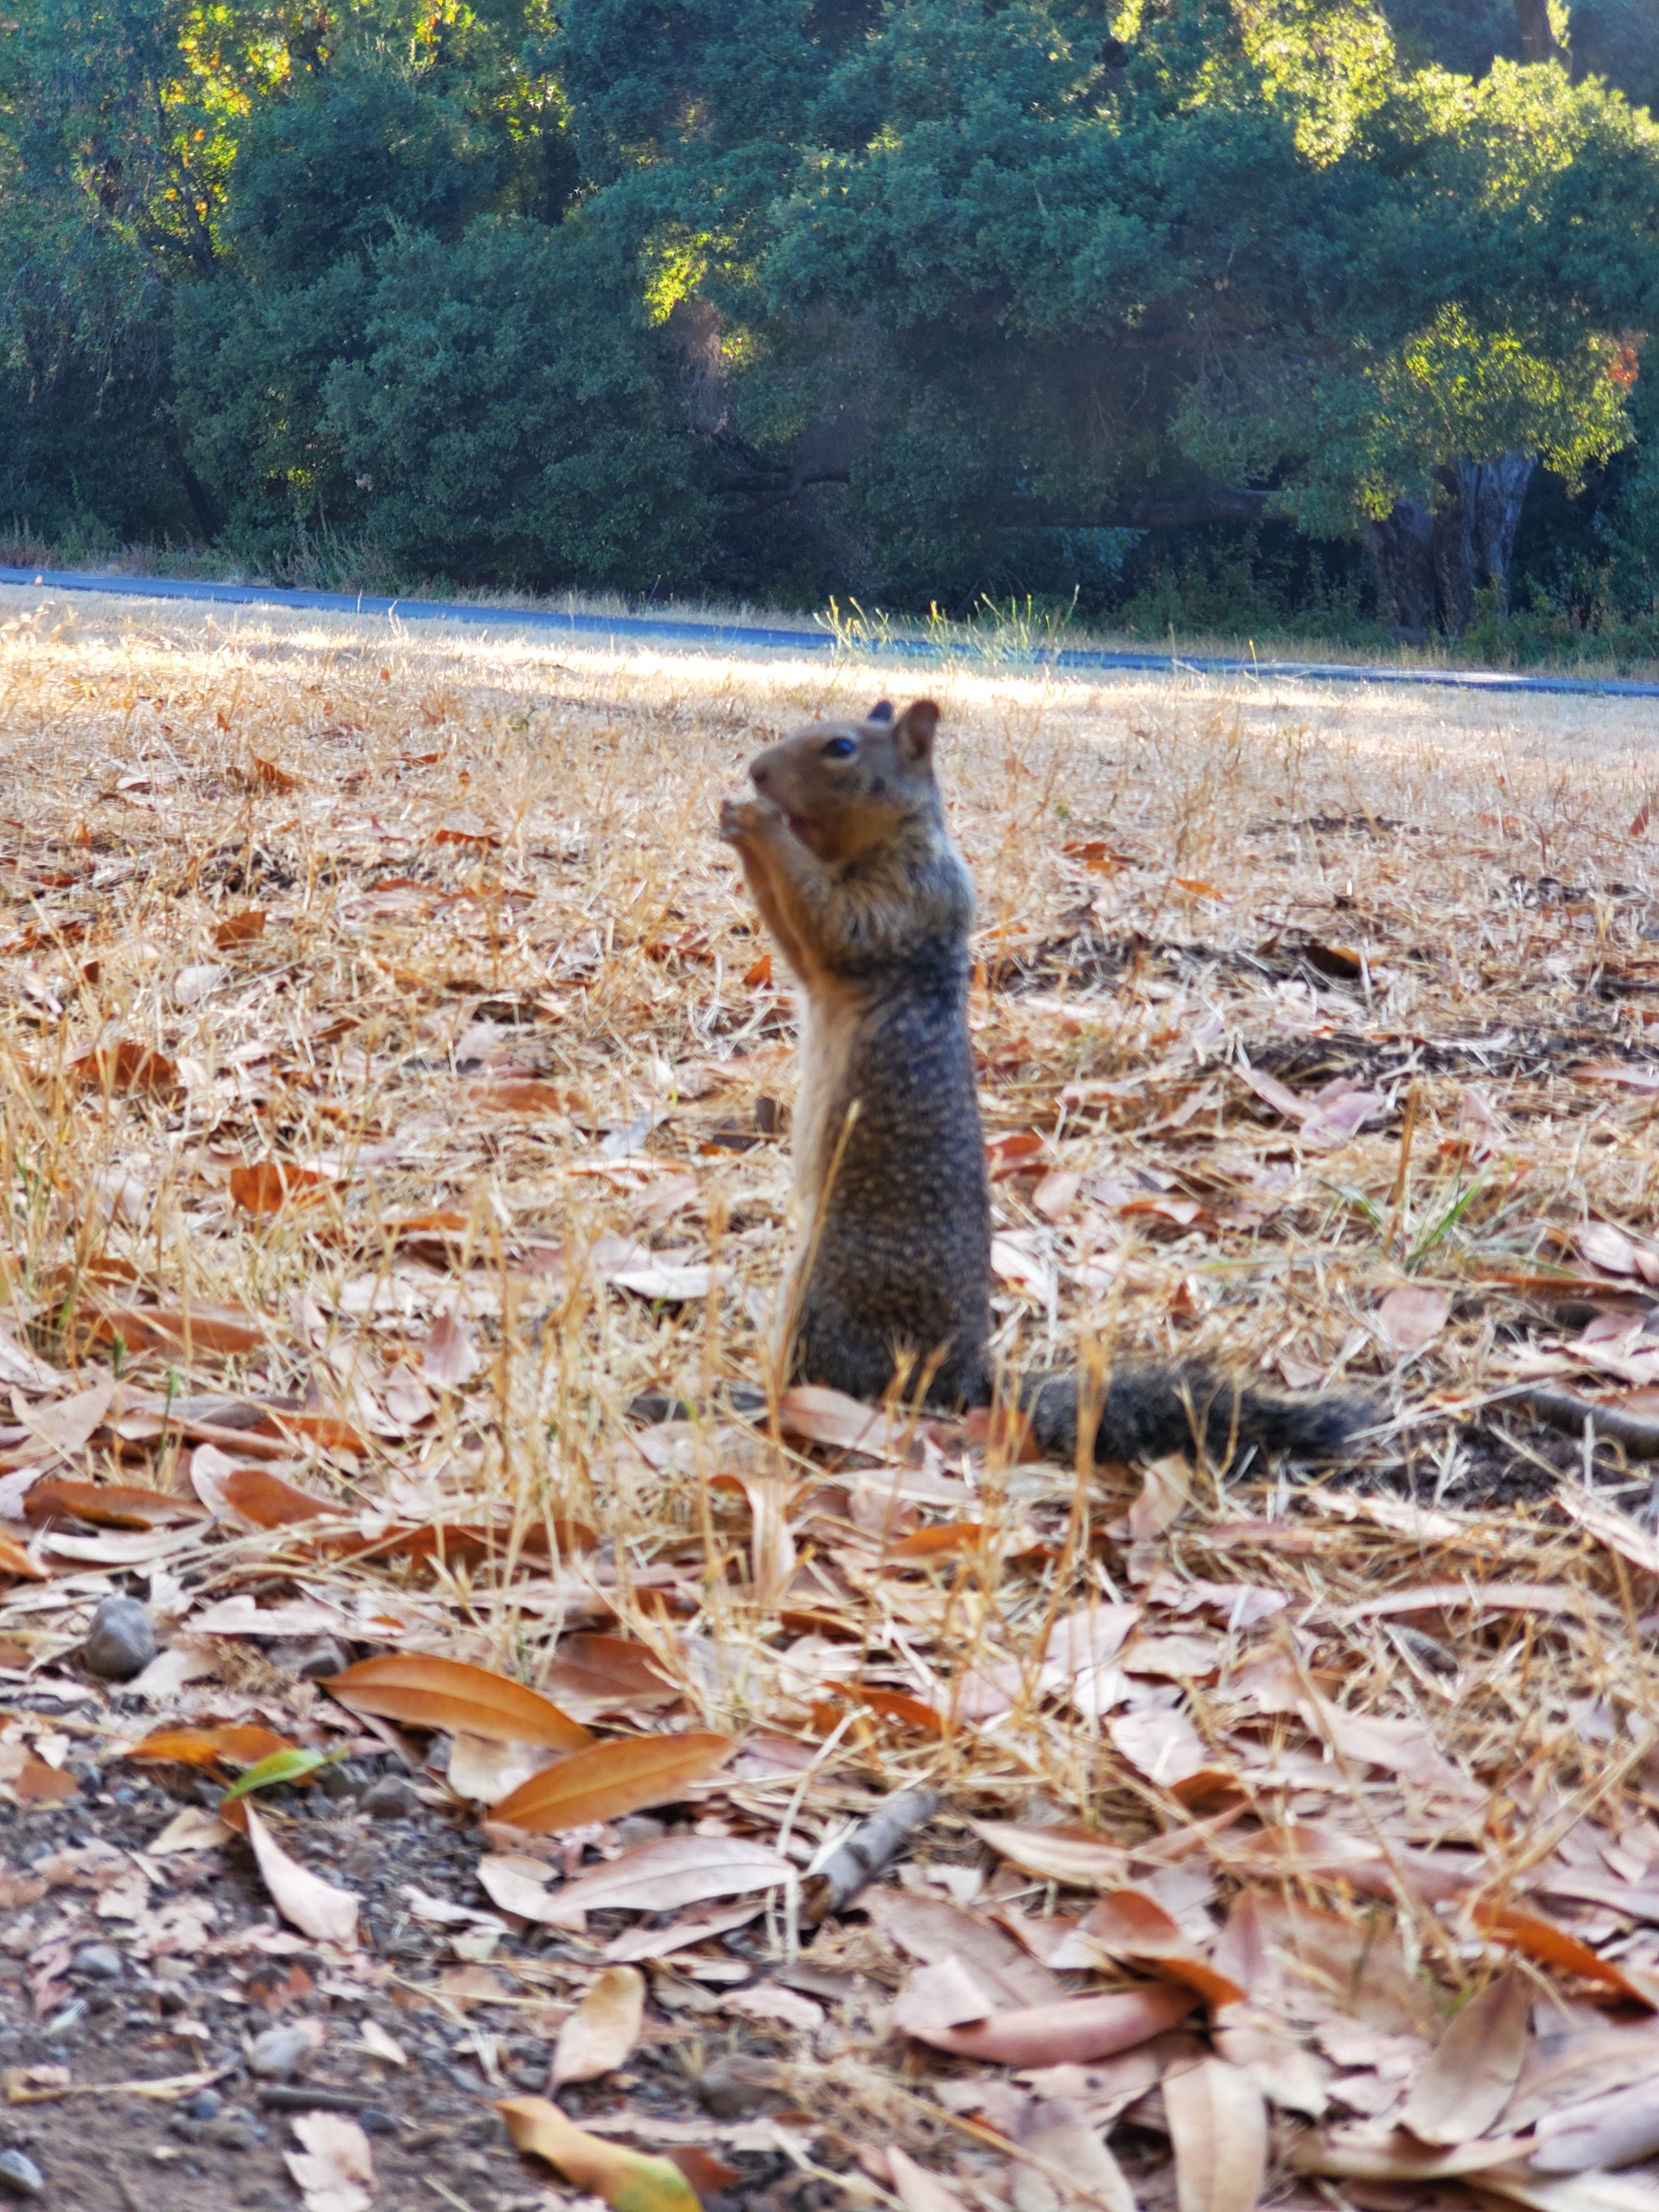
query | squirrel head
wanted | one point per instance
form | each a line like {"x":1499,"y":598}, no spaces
{"x":846,"y":784}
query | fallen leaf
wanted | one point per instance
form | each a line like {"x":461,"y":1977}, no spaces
{"x":67,"y":1427}
{"x":1055,"y":2130}
{"x":16,"y":1562}
{"x":1411,"y":1317}
{"x":1057,"y":1854}
{"x":603,"y":2030}
{"x":627,"y":2179}
{"x":451,"y":1357}
{"x":1464,"y":2087}
{"x":1126,"y":1923}
{"x":316,"y":1907}
{"x":239,"y":928}
{"x":334,"y":2172}
{"x":108,"y":1504}
{"x":35,"y":1783}
{"x":609,"y":1780}
{"x":125,"y":1066}
{"x":1074,"y":2028}
{"x":238,"y":1743}
{"x":916,"y":2189}
{"x":424,"y":1690}
{"x":1372,"y":2152}
{"x":1538,"y":1938}
{"x":192,"y":1329}
{"x":1219,"y":2129}
{"x":268,"y":1185}
{"x":660,"y":1877}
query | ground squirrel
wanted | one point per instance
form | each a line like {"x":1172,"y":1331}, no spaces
{"x":846,"y":851}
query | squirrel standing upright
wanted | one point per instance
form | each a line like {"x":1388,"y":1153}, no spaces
{"x":845,"y":849}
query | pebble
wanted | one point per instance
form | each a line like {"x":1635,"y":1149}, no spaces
{"x":309,"y":1656}
{"x":121,"y":1642}
{"x":102,"y":1961}
{"x":20,"y":2175}
{"x":205,"y":2105}
{"x":390,"y":1798}
{"x":281,"y":2051}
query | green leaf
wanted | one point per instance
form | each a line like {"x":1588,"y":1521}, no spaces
{"x":291,"y":1765}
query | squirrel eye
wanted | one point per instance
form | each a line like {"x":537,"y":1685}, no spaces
{"x":840,"y":749}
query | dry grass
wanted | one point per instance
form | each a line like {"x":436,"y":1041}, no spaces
{"x":507,"y":977}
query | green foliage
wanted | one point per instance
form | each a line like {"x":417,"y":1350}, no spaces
{"x":918,"y":299}
{"x":508,"y":417}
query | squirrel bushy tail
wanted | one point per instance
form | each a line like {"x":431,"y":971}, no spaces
{"x":1149,"y":1411}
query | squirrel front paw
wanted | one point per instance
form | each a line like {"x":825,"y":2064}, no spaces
{"x":746,"y":817}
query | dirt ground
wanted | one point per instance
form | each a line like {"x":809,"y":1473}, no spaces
{"x":396,"y":1089}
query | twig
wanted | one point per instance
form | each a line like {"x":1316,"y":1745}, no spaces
{"x":1563,"y":1409}
{"x":861,"y":1856}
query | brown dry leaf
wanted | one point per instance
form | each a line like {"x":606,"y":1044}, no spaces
{"x":423,"y":1691}
{"x":265,"y":775}
{"x":316,"y":1907}
{"x":660,"y":1877}
{"x":108,"y":1504}
{"x":1411,"y":1317}
{"x":174,"y":1329}
{"x":1073,"y":2029}
{"x":606,"y":1672}
{"x":35,"y":1783}
{"x":262,"y":1500}
{"x":1477,"y":2062}
{"x":609,"y":1780}
{"x":1219,"y":2129}
{"x":1538,"y":1938}
{"x":335,"y":2171}
{"x":1004,"y":1976}
{"x":125,"y":1066}
{"x":239,"y":928}
{"x":268,"y":1185}
{"x":1372,"y":2152}
{"x":1616,"y":2130}
{"x":626,"y":2179}
{"x":1165,"y":1493}
{"x":452,"y":1356}
{"x":1163,"y":1745}
{"x":603,"y":2030}
{"x":68,"y":1427}
{"x":238,"y":1743}
{"x":21,"y":1370}
{"x":820,"y":1416}
{"x":1126,"y":1923}
{"x":15,"y":1561}
{"x":1056,"y":1855}
{"x":916,"y":2189}
{"x":1056,"y":2131}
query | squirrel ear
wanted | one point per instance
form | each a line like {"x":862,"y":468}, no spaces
{"x":881,"y":712}
{"x":914,"y":730}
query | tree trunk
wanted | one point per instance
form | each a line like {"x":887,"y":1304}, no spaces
{"x":1401,"y":548}
{"x":1537,"y":33}
{"x":1430,"y":562}
{"x":1476,"y":517}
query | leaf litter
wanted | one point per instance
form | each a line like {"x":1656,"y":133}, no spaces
{"x":388,"y":1308}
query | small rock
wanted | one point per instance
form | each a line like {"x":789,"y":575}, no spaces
{"x":20,"y":2176}
{"x":390,"y":1798}
{"x":373,"y":2121}
{"x":205,"y":2105}
{"x":100,"y":1960}
{"x":121,"y":1642}
{"x":737,"y":2089}
{"x":311,"y":1657}
{"x":282,"y":2051}
{"x":639,"y":1828}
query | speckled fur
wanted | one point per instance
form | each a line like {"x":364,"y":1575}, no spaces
{"x":849,"y":859}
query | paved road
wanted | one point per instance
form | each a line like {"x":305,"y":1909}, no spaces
{"x":726,"y":637}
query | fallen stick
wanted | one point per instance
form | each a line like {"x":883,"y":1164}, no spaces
{"x":860,"y":1857}
{"x":1561,"y":1409}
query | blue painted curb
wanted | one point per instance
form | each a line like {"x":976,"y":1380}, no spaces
{"x":725,"y":636}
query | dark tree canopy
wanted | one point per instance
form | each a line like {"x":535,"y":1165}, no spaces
{"x":1209,"y":309}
